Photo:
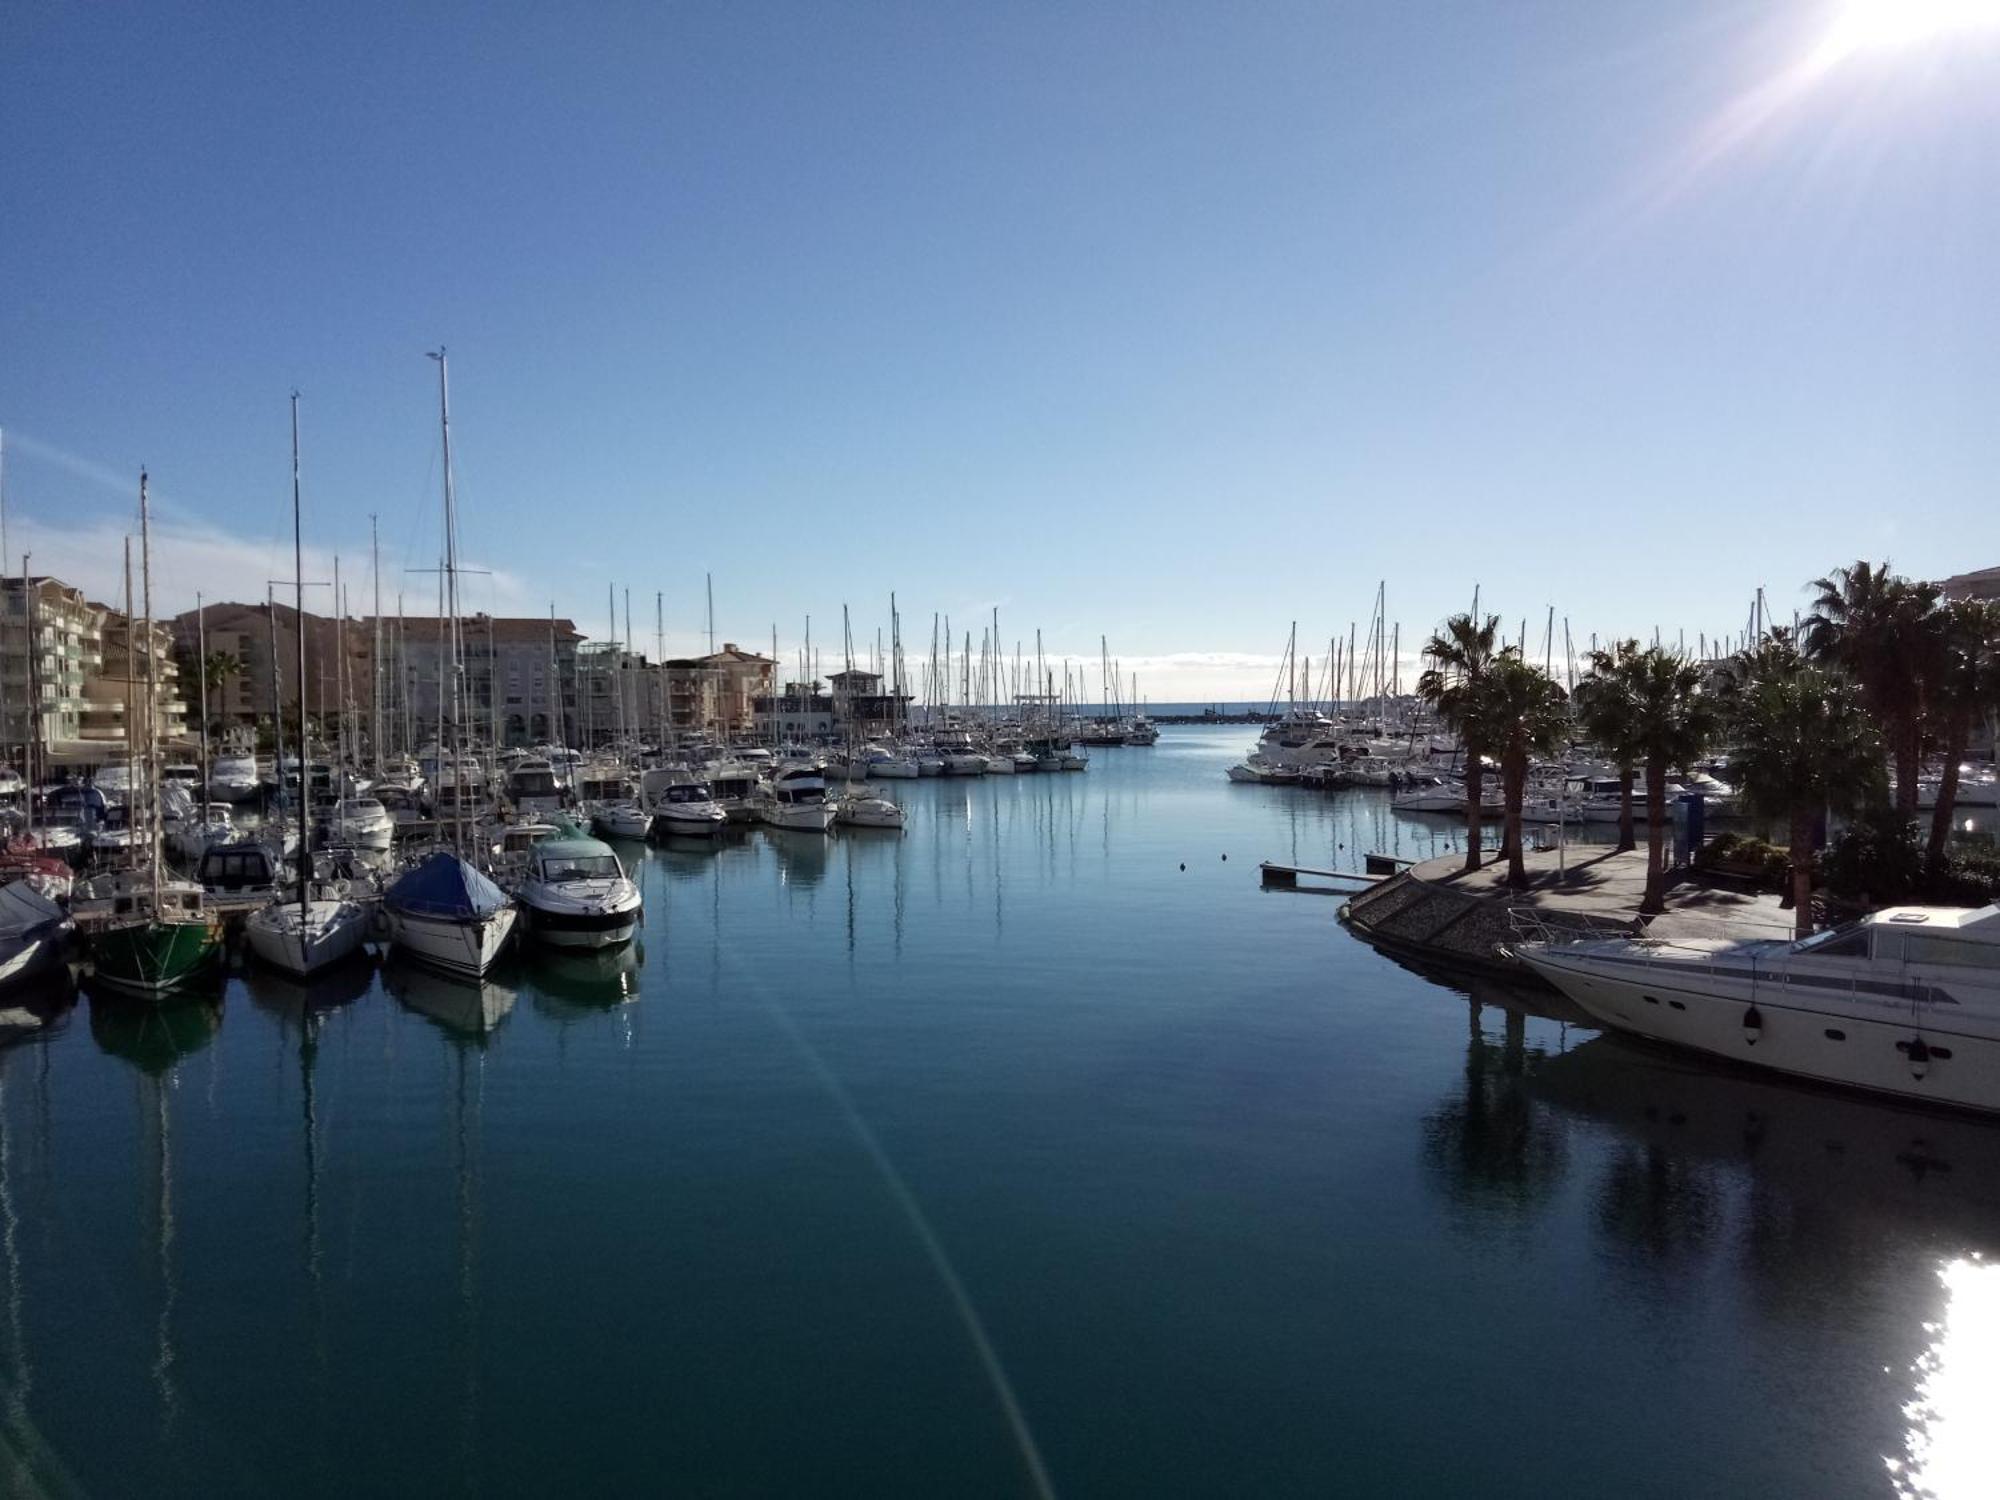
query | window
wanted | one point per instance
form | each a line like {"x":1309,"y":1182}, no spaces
{"x":1936,"y":948}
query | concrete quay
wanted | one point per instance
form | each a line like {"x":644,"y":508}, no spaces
{"x":1440,"y":911}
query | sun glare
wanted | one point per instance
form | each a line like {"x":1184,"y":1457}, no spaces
{"x":1951,"y":1448}
{"x":1883,"y":25}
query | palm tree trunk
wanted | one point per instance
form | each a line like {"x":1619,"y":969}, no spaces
{"x":1474,"y":779}
{"x":1909,"y":756}
{"x":1656,"y":837}
{"x":1626,"y":839}
{"x":1514,"y":782}
{"x":1802,"y":856}
{"x":1958,"y":731}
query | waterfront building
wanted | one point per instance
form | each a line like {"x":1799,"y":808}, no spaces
{"x":66,"y":648}
{"x":683,"y":697}
{"x":246,"y":636}
{"x":118,"y":713}
{"x":1983,"y":583}
{"x":853,"y":706}
{"x":518,"y":673}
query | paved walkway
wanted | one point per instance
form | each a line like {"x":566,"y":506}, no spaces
{"x":1440,"y":910}
{"x":1603,"y":885}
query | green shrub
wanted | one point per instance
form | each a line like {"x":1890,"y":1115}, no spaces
{"x":1878,"y":858}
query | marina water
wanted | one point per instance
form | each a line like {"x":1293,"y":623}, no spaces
{"x":1036,"y":1149}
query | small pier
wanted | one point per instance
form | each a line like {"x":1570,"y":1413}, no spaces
{"x":1306,"y":878}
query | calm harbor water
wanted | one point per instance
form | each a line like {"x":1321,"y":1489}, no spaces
{"x":1003,"y":1155}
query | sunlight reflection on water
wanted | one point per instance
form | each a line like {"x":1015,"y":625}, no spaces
{"x":1953,"y":1446}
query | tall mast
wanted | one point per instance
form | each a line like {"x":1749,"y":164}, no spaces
{"x":33,"y":716}
{"x":201,"y":672}
{"x":375,"y":650}
{"x":710,"y":578}
{"x":152,"y":691}
{"x":553,"y":697}
{"x":131,"y":695}
{"x":305,"y":782}
{"x":450,"y":587}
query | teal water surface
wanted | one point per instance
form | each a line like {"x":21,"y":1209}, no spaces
{"x":1005,"y":1156}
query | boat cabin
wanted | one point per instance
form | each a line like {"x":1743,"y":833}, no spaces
{"x":236,"y":868}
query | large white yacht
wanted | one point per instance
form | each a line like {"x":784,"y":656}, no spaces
{"x":233,"y":778}
{"x":796,"y":800}
{"x":1904,"y":1002}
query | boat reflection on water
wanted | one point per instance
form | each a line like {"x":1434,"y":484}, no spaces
{"x":467,"y":1008}
{"x":802,"y":855}
{"x":39,"y":1013}
{"x":291,"y":998}
{"x":152,"y":1036}
{"x":569,"y":984}
{"x":1864,"y":1156}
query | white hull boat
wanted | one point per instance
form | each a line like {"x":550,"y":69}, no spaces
{"x":863,"y":811}
{"x":463,"y":945}
{"x":1904,"y":1002}
{"x":622,"y":820}
{"x":303,"y":942}
{"x":577,"y":895}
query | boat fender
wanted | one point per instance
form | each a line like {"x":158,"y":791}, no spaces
{"x":1753,"y":1025}
{"x":1920,"y":1058}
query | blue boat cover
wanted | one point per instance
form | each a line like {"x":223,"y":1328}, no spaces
{"x":446,"y":886}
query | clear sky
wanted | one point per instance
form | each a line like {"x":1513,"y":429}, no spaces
{"x":1173,"y":322}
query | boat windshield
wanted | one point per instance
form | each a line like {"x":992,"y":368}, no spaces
{"x":691,"y":792}
{"x":581,"y":867}
{"x":1848,"y":941}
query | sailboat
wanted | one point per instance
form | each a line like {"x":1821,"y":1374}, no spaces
{"x":444,"y":910}
{"x":308,"y":934}
{"x":149,"y":935}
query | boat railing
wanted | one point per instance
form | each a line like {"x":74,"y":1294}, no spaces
{"x":1541,"y":925}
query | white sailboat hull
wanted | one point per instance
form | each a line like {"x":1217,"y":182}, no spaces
{"x":331,"y":931}
{"x":467,"y":946}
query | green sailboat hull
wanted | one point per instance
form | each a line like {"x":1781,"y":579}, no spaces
{"x":152,"y":958}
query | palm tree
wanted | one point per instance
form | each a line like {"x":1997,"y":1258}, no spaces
{"x":1876,"y":626}
{"x":1963,"y":683}
{"x":1804,"y":744}
{"x":1673,"y":721}
{"x":1526,"y":713}
{"x":1605,"y":713}
{"x":1460,"y":656}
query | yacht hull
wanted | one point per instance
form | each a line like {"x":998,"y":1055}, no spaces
{"x":1856,"y":1045}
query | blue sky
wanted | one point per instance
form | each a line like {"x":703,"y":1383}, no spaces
{"x":1171,"y":323}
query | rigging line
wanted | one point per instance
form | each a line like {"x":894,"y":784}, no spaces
{"x":920,"y":1225}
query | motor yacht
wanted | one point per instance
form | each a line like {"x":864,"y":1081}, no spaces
{"x":885,"y":764}
{"x":796,"y":800}
{"x":858,"y":809}
{"x":577,"y":895}
{"x":213,"y":823}
{"x":734,"y":787}
{"x":621,"y":820}
{"x":533,"y":786}
{"x":361,"y":823}
{"x":1903,"y":1002}
{"x":681,"y":803}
